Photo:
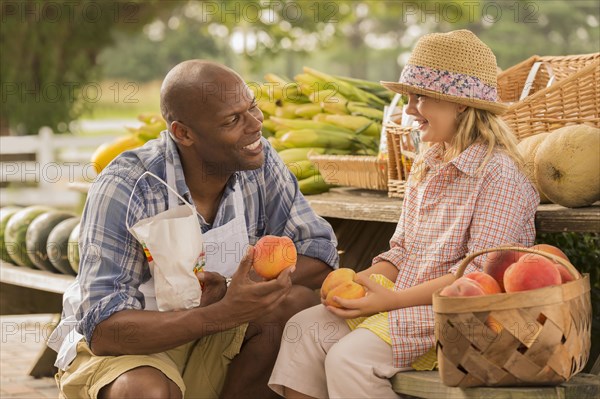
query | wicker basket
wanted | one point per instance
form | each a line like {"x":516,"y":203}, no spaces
{"x":573,"y":98}
{"x":359,"y":171}
{"x":543,"y":337}
{"x":401,"y":155}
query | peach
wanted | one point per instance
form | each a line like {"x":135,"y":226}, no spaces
{"x":347,"y":290}
{"x":496,"y":264}
{"x":487,"y":282}
{"x":335,"y":278}
{"x":565,"y":275}
{"x":551,"y":250}
{"x":530,"y":272}
{"x":493,"y":324}
{"x":272,"y":254}
{"x":463,"y":287}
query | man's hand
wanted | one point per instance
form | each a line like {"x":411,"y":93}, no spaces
{"x":214,"y":287}
{"x":246,"y":299}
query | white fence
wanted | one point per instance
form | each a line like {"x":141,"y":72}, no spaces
{"x":60,"y":160}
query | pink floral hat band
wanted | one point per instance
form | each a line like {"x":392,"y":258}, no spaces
{"x":448,"y":83}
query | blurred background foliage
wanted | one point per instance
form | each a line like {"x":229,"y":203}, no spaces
{"x":55,"y":55}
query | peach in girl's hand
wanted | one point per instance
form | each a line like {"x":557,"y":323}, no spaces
{"x":347,"y":290}
{"x":335,"y":278}
{"x":272,"y":254}
{"x":341,"y":283}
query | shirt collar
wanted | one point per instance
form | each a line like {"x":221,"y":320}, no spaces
{"x":172,"y":155}
{"x":467,"y":161}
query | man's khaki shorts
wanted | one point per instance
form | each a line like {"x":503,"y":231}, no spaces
{"x":199,"y":368}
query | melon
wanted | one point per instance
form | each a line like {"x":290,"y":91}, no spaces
{"x":16,"y":231}
{"x":567,"y":166}
{"x":5,"y":214}
{"x":528,"y":148}
{"x":73,"y":249}
{"x":58,"y":245}
{"x":36,"y":238}
{"x":105,"y":153}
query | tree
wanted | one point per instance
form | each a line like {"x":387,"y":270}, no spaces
{"x":49,"y":50}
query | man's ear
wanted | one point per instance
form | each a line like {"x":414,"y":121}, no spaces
{"x":181,"y":133}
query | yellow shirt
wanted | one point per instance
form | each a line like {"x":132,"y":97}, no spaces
{"x":380,"y":326}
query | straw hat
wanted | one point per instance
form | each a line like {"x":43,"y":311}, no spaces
{"x":454,"y":66}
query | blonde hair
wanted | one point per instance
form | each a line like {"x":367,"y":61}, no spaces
{"x":476,"y":126}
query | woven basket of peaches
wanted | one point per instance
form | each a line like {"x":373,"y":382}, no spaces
{"x":524,"y":320}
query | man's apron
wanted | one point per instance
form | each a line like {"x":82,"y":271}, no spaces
{"x":223,"y":249}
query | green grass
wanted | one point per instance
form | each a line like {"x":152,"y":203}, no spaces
{"x":124,"y":100}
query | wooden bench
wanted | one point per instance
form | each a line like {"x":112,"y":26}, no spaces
{"x":427,"y":384}
{"x":28,"y":291}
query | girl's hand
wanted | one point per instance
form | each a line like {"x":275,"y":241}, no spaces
{"x":378,"y":299}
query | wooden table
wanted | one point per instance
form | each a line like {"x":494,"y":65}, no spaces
{"x":375,"y":206}
{"x":367,"y":205}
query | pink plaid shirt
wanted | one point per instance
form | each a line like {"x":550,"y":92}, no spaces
{"x":451,"y":213}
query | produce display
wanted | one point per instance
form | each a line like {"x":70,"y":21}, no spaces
{"x":567,"y":166}
{"x":528,"y":148}
{"x":136,"y":137}
{"x":58,"y":245}
{"x":321,"y":113}
{"x":15,"y":234}
{"x":73,"y":249}
{"x":272,"y":255}
{"x":5,"y":214}
{"x":37,"y":237}
{"x":512,"y":271}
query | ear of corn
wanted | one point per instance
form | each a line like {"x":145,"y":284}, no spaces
{"x":320,"y":113}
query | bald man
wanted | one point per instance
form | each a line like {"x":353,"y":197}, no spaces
{"x":112,"y":340}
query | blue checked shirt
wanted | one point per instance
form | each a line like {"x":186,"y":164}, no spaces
{"x":113,"y":264}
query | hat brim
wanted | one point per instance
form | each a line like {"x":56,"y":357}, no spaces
{"x":402,"y":88}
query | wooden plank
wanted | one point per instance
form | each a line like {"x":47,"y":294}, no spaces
{"x":367,"y":205}
{"x":50,"y":196}
{"x":44,"y":364}
{"x":23,"y":300}
{"x":427,"y":384}
{"x":36,"y":279}
{"x":556,"y":218}
{"x":596,"y":367}
{"x":582,"y":386}
{"x":356,"y":204}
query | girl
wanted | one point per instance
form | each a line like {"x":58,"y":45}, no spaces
{"x":464,"y":194}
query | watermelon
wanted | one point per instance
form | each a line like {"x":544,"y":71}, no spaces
{"x":16,"y":230}
{"x":5,"y":215}
{"x":58,"y":245}
{"x":37,"y":237}
{"x":73,"y":254}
